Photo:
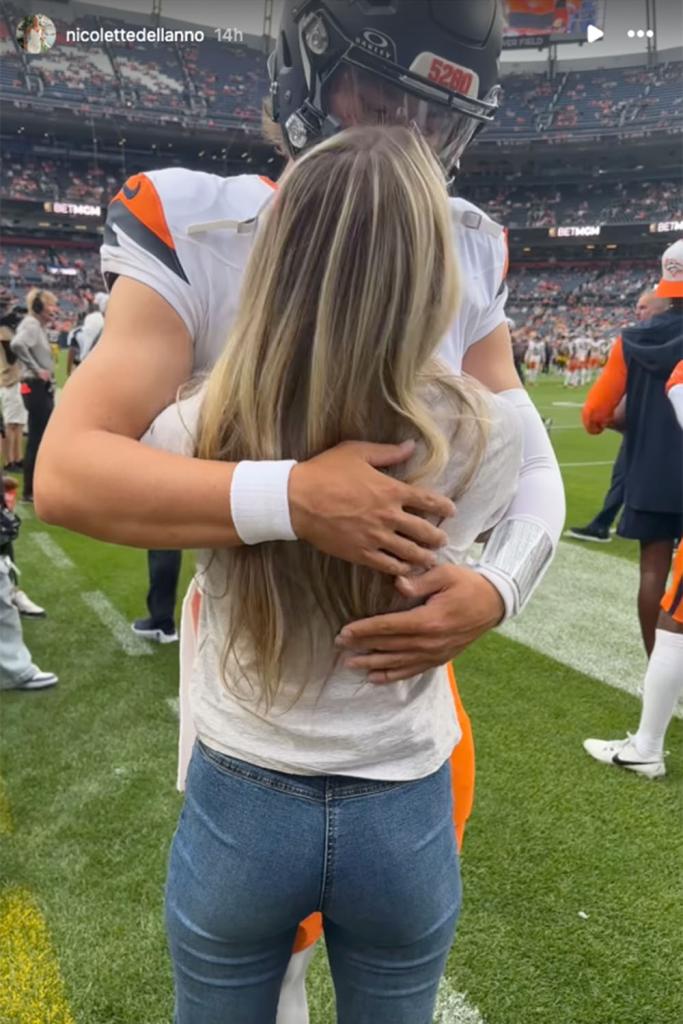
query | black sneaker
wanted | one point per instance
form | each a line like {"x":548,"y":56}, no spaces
{"x":151,"y":631}
{"x":593,"y":533}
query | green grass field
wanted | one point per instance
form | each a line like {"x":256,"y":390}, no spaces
{"x":572,"y":871}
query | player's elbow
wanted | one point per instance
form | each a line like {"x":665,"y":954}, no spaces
{"x":48,"y":494}
{"x":53,"y":496}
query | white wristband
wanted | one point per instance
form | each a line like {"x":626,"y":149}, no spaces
{"x":259,"y":501}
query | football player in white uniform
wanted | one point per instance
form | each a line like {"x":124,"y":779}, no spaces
{"x":175,"y":247}
{"x":533,"y":358}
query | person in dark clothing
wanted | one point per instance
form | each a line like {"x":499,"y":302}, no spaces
{"x":598,"y":529}
{"x":640,"y":364}
{"x":31,"y":346}
{"x":164,"y":573}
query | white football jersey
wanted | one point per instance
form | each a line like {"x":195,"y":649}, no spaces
{"x":179,"y":232}
{"x":581,"y":347}
{"x":535,"y":351}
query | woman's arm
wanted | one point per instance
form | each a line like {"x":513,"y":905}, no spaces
{"x":93,"y":475}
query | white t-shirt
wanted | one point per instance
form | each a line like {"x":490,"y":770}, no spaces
{"x":176,"y":231}
{"x":341,"y":724}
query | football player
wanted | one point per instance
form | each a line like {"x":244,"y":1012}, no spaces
{"x":643,"y":752}
{"x":533,"y":358}
{"x":176,"y":244}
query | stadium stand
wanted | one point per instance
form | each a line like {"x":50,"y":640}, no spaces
{"x":211,"y":86}
{"x":578,"y":103}
{"x":214,"y":85}
{"x":615,"y":202}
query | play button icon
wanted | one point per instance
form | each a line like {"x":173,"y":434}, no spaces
{"x":594,"y":33}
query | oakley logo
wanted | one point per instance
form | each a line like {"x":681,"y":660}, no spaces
{"x":377,"y":43}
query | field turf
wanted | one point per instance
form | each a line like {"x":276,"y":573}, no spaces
{"x":572,"y":871}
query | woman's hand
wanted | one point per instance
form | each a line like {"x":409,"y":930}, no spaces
{"x":460,"y":605}
{"x":342,"y":505}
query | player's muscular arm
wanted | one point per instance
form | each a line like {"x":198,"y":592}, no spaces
{"x":93,"y":475}
{"x":490,"y":360}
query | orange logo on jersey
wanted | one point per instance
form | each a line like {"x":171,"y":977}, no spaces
{"x":139,"y":195}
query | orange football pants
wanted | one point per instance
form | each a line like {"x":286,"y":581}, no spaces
{"x":672,"y":602}
{"x":462,"y":781}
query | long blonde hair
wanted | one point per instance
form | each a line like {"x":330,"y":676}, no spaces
{"x":350,"y":287}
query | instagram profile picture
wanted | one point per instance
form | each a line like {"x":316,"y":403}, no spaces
{"x":36,"y":33}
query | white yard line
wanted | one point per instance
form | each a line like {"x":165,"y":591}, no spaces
{"x":117,"y":625}
{"x":52,"y":550}
{"x":578,"y":465}
{"x":453,"y":1008}
{"x":174,"y":705}
{"x":584,"y":616}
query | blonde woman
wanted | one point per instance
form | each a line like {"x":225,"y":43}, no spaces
{"x":311,"y":788}
{"x":32,"y":348}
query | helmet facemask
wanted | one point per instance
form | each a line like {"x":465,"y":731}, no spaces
{"x":348,"y":86}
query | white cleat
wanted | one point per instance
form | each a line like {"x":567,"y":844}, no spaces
{"x":38,"y":681}
{"x":25,"y":606}
{"x":623,"y":754}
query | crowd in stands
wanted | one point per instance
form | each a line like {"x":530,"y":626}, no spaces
{"x":218,"y":84}
{"x":614,"y":202}
{"x":560,"y":303}
{"x":228,"y":83}
{"x":212,"y":81}
{"x":583,"y":102}
{"x":556,"y":301}
{"x":41,"y":178}
{"x":515,"y":205}
{"x":68,"y":272}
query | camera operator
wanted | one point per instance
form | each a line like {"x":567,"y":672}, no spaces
{"x":14,"y":413}
{"x":32,"y":347}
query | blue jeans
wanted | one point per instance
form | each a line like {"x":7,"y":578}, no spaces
{"x":256,"y":851}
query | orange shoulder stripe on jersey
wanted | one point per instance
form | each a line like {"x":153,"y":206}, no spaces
{"x":140,"y":197}
{"x":676,"y":377}
{"x":607,"y":392}
{"x":268,"y":181}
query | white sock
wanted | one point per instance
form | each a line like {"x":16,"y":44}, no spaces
{"x":293,"y":1005}
{"x":662,"y":688}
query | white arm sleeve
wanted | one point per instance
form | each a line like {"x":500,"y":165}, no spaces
{"x":676,"y":399}
{"x":522,"y":546}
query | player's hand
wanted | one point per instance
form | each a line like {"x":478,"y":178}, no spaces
{"x":459,"y":606}
{"x":343,"y":506}
{"x":45,"y":375}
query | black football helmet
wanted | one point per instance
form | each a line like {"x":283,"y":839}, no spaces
{"x":429,"y":63}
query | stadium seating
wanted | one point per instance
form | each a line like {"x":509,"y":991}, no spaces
{"x":23,"y":267}
{"x":584,"y":103}
{"x":545,"y":205}
{"x":214,"y":83}
{"x":563,"y":300}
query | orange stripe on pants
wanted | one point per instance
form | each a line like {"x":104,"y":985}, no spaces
{"x":462,"y":780}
